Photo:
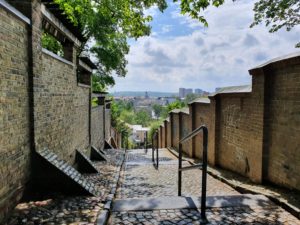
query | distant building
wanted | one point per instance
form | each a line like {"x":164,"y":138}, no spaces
{"x":188,"y":91}
{"x":146,"y":94}
{"x":199,"y":91}
{"x":138,"y":133}
{"x":181,"y":92}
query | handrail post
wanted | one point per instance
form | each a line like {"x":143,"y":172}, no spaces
{"x":145,"y":142}
{"x":179,"y":169}
{"x":153,"y":148}
{"x":204,"y":175}
{"x":157,"y":159}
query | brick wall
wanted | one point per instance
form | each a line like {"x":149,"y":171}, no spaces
{"x":41,"y":104}
{"x":282,"y":122}
{"x":62,"y":109}
{"x":97,"y":127}
{"x":201,"y":116}
{"x":163,"y":140}
{"x":107,"y":123}
{"x":175,"y":130}
{"x":168,"y":124}
{"x":185,"y":129}
{"x":14,"y":110}
{"x":239,"y":139}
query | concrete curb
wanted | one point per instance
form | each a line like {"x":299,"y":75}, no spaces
{"x":280,"y":202}
{"x":104,"y":215}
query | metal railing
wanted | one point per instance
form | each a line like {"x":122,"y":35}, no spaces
{"x":155,"y":148}
{"x":202,"y":165}
{"x":145,"y":142}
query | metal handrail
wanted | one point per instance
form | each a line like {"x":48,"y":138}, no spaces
{"x":145,"y":142}
{"x":155,"y":136}
{"x":192,"y":134}
{"x":203,"y":166}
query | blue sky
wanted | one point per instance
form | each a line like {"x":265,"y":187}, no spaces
{"x":180,"y":52}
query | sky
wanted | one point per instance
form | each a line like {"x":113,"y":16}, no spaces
{"x":181,"y":52}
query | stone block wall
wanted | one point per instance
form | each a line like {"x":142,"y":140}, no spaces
{"x":15,"y":134}
{"x":201,"y":116}
{"x":253,"y":132}
{"x":186,"y":128}
{"x":42,"y":105}
{"x":62,"y":109}
{"x":282,"y":122}
{"x":163,"y":138}
{"x":169,"y":133}
{"x":107,"y":123}
{"x":239,"y":138}
{"x":97,"y":138}
{"x":175,"y":130}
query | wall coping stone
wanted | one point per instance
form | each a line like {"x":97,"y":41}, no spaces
{"x":85,"y":66}
{"x":233,"y":90}
{"x":59,"y":25}
{"x":14,"y":11}
{"x":83,"y":85}
{"x":204,"y":100}
{"x":282,"y":61}
{"x":57,"y":57}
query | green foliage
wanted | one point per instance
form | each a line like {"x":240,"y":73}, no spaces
{"x":153,"y":128}
{"x":157,"y":109}
{"x":277,"y":14}
{"x":128,"y":117}
{"x":100,"y":82}
{"x":94,"y":102}
{"x":175,"y":105}
{"x":195,"y":8}
{"x":109,"y":23}
{"x":51,"y":44}
{"x":143,"y":118}
{"x":190,"y":97}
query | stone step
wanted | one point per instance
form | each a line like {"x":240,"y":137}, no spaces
{"x":70,"y":173}
{"x":159,"y":203}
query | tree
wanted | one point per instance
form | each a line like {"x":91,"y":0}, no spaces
{"x":157,"y":110}
{"x":107,"y":24}
{"x":143,"y":118}
{"x":277,"y":14}
{"x":190,"y":97}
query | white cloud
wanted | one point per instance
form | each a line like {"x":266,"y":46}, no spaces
{"x":220,"y":55}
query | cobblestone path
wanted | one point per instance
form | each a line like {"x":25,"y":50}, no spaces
{"x":58,"y":209}
{"x":143,"y":180}
{"x":140,"y":179}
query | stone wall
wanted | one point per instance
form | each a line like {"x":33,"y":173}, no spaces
{"x":175,"y":130}
{"x":253,"y":130}
{"x":169,"y":133}
{"x":62,"y":109}
{"x":239,"y":136}
{"x":282,"y":121}
{"x":201,"y":116}
{"x":42,"y":104}
{"x":186,"y":128}
{"x":107,"y":123}
{"x":97,"y":127}
{"x":15,"y":130}
{"x":163,"y":139}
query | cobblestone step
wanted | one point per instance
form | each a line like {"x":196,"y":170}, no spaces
{"x":145,"y":204}
{"x":69,"y":171}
